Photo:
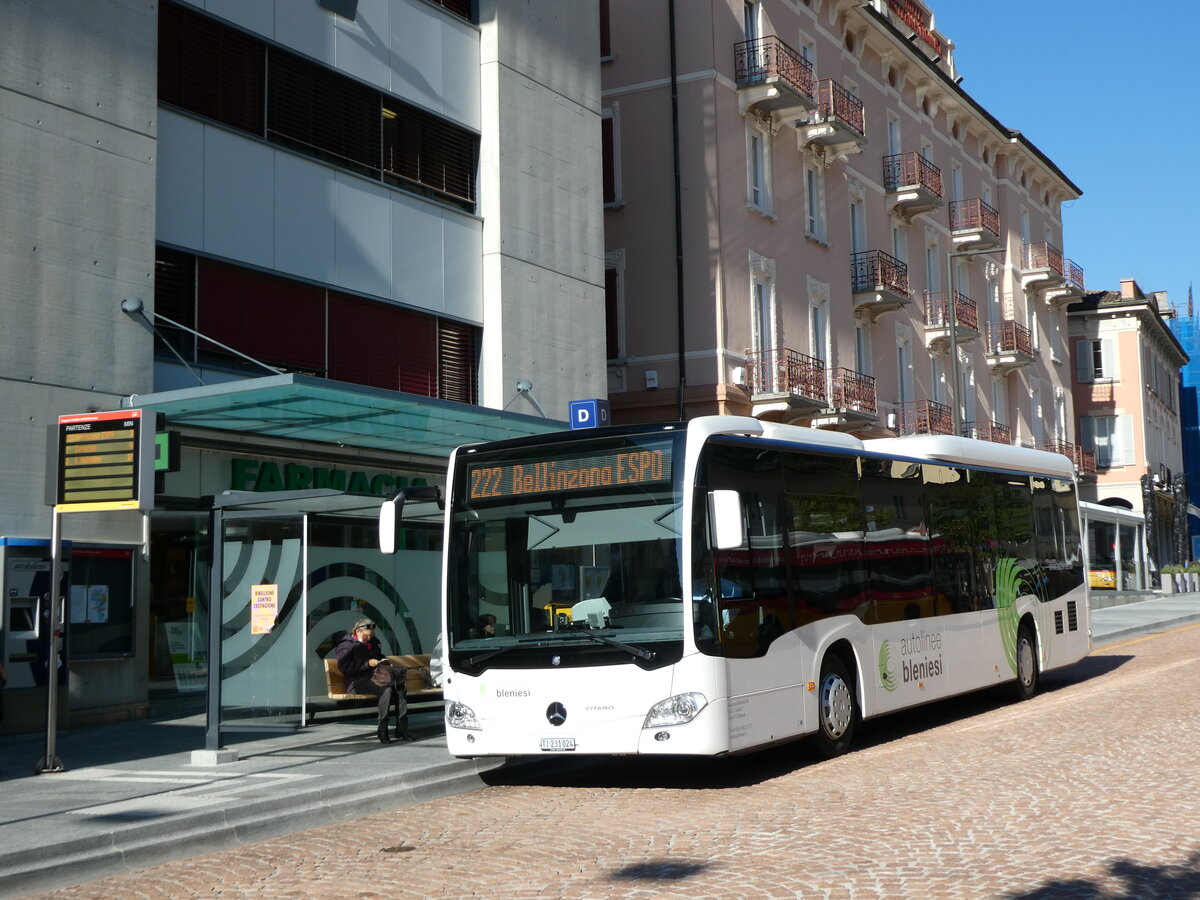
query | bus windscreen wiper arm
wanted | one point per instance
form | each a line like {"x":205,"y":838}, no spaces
{"x":639,"y":652}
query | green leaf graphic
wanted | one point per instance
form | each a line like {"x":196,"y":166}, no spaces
{"x":1009,"y":578}
{"x":886,"y":678}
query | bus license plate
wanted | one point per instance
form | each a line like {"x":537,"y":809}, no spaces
{"x":558,"y":743}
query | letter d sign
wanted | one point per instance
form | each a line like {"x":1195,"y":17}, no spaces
{"x":589,"y":414}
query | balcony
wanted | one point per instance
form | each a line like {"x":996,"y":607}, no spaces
{"x":923,"y":417}
{"x":1058,"y":445}
{"x":1072,"y":288}
{"x":1042,"y":263}
{"x":879,"y":282}
{"x":974,"y":225}
{"x":773,"y":78}
{"x":987,"y":430}
{"x":838,"y":123}
{"x":1085,"y":463}
{"x":851,"y":399}
{"x":913,"y":184}
{"x":1008,"y":346}
{"x":785,"y":381}
{"x":937,"y":319}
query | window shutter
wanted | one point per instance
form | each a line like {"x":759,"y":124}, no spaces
{"x":1083,"y":361}
{"x":457,"y":362}
{"x":1123,"y":443}
{"x":210,"y":69}
{"x":1108,"y":352}
{"x":1087,"y":437}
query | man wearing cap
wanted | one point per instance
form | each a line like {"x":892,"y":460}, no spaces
{"x":359,"y":654}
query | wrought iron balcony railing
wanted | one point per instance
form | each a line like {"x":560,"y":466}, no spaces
{"x":1075,"y":275}
{"x":1008,"y":337}
{"x":1058,"y":445}
{"x":851,"y":390}
{"x":783,"y":371}
{"x":937,"y":310}
{"x":768,"y":59}
{"x":969,"y":215}
{"x":1042,"y":255}
{"x":875,"y":270}
{"x":924,"y":417}
{"x":987,"y":430}
{"x":835,"y":102}
{"x":911,"y":169}
{"x":1085,"y":461}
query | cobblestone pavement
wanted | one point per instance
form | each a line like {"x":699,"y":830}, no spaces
{"x":1090,"y":790}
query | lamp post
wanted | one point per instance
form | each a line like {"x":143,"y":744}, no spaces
{"x":952,"y":312}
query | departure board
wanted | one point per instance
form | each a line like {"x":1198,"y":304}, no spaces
{"x":100,"y":462}
{"x":618,"y":468}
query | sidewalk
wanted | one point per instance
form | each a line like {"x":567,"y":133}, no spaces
{"x":131,"y":797}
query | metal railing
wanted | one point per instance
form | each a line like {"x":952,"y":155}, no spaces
{"x":766,"y":58}
{"x":835,"y":102}
{"x":908,"y":169}
{"x":874,"y":269}
{"x":987,"y":430}
{"x":1058,"y":445}
{"x":851,"y":390}
{"x":1075,"y":275}
{"x":968,"y":215}
{"x":1008,"y":337}
{"x":937,"y":310}
{"x":781,"y":371}
{"x":924,"y":417}
{"x":1085,"y":461}
{"x":1042,"y":255}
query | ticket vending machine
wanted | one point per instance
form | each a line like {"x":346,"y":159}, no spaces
{"x":25,"y":612}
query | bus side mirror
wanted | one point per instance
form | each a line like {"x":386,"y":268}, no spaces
{"x":725,"y":520}
{"x":392,"y":512}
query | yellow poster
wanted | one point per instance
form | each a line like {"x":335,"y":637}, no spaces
{"x":264,"y":606}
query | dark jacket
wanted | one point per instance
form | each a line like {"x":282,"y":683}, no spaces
{"x":352,"y":657}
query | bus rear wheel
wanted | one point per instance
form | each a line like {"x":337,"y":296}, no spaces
{"x":837,"y":709}
{"x":1027,"y":667}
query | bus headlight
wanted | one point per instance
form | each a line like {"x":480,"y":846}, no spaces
{"x":459,"y":715}
{"x":677,"y":710}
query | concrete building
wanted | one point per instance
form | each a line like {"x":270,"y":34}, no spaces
{"x":862,"y":245}
{"x":1126,"y":390}
{"x":354,"y":226}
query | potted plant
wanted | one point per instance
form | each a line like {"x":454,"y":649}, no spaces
{"x":1193,"y":576}
{"x":1168,"y":574}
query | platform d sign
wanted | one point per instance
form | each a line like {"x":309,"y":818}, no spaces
{"x":589,"y":414}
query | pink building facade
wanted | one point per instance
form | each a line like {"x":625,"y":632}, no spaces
{"x":862,"y":246}
{"x":1126,"y":399}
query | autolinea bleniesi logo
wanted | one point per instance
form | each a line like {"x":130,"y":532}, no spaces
{"x":886,"y":679}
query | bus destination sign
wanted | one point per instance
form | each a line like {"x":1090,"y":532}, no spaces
{"x":619,"y":468}
{"x":102,"y":463}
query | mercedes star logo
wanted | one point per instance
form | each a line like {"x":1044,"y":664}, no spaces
{"x":556,"y":714}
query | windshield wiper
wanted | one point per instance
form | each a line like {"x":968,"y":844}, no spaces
{"x":639,"y":652}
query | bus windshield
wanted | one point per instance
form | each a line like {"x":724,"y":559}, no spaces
{"x":567,"y":554}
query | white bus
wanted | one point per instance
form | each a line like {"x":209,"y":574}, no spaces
{"x":725,"y":584}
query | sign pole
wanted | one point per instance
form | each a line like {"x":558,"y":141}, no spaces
{"x":50,"y":763}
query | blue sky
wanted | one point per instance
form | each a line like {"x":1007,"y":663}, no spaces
{"x":1107,"y":90}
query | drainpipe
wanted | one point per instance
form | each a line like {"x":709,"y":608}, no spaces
{"x":678,"y":215}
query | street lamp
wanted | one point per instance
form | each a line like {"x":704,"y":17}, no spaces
{"x":952,"y":312}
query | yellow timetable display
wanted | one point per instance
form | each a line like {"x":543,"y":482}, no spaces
{"x":623,"y":468}
{"x":102,"y":462}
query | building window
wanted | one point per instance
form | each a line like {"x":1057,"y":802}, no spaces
{"x":862,"y":348}
{"x":814,"y":202}
{"x":215,"y":71}
{"x":764,"y":327}
{"x":758,"y":166}
{"x":1110,"y":438}
{"x":1095,"y":360}
{"x":605,"y":31}
{"x":309,"y":329}
{"x":610,"y":136}
{"x":614,"y":306}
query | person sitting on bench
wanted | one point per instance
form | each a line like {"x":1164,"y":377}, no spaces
{"x":359,"y":655}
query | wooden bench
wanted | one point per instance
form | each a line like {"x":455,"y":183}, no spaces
{"x":421,"y":688}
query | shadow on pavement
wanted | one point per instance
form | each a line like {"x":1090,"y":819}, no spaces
{"x":1177,"y":882}
{"x":764,"y":765}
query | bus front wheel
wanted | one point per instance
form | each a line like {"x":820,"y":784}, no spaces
{"x":1027,"y":667}
{"x":837,"y":709}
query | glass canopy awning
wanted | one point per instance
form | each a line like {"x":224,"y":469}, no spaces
{"x":303,"y":407}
